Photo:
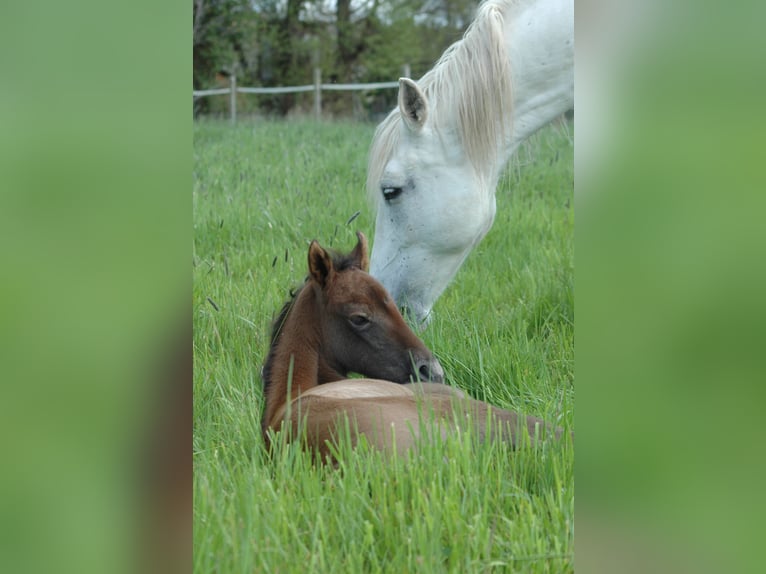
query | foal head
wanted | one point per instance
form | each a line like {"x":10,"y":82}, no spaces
{"x":360,"y":327}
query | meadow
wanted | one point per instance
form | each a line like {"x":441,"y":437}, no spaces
{"x":503,"y":330}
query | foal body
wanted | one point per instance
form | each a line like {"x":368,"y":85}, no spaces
{"x":343,"y":321}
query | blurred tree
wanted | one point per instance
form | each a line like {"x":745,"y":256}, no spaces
{"x":278,"y":43}
{"x":412,"y":32}
{"x":223,"y":39}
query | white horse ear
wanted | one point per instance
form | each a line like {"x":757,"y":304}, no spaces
{"x":412,"y":104}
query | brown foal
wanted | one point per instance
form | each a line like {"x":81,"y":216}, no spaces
{"x":343,"y":321}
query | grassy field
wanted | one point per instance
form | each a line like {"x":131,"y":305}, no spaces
{"x":504,"y":331}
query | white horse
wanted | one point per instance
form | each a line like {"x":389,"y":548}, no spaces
{"x":435,"y":160}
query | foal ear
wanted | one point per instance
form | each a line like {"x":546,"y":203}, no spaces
{"x":360,"y":252}
{"x":320,"y":263}
{"x":412,"y":104}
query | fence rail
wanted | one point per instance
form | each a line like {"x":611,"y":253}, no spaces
{"x":317,"y":87}
{"x":287,"y":90}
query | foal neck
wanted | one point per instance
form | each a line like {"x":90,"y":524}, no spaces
{"x":295,"y":360}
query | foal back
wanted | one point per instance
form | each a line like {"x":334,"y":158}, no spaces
{"x":394,"y":418}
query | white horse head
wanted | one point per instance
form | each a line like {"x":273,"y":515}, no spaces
{"x":435,"y":160}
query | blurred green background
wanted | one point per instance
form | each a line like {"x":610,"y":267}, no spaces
{"x":669,"y":283}
{"x":95,"y":228}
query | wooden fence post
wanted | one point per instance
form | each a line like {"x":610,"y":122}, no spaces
{"x":233,"y":98}
{"x":318,"y":93}
{"x":406,"y":71}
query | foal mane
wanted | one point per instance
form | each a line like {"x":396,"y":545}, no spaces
{"x":471,"y":82}
{"x":340,"y":262}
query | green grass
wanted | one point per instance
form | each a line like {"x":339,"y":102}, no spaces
{"x":504,"y":331}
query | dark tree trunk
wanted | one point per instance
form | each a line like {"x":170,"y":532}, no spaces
{"x":284,"y":54}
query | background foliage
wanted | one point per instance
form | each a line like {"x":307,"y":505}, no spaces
{"x":279,"y":42}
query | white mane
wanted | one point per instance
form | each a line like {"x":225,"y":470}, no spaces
{"x":469,"y":88}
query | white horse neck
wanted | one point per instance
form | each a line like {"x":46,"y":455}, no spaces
{"x":540,"y":44}
{"x":473,"y":96}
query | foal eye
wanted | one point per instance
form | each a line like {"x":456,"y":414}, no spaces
{"x":358,"y":320}
{"x":390,"y":193}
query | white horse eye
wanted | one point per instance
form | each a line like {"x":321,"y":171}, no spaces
{"x":391,"y":192}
